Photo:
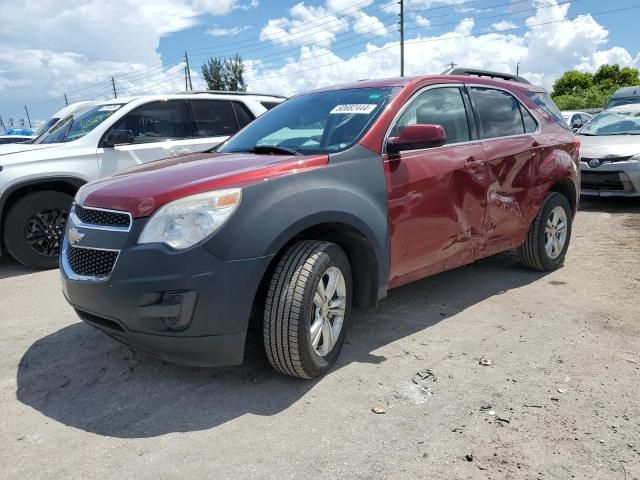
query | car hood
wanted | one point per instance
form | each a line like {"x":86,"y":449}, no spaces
{"x":142,"y":190}
{"x":8,"y":151}
{"x":607,"y":146}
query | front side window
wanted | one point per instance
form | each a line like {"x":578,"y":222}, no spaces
{"x":530,"y":124}
{"x":157,"y":121}
{"x":315,"y":123}
{"x":214,"y":118}
{"x":72,"y":128}
{"x":613,"y":123}
{"x":499,"y":113}
{"x":440,"y":106}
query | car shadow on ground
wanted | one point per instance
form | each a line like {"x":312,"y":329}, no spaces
{"x":610,"y":204}
{"x":9,"y":268}
{"x":83,"y":379}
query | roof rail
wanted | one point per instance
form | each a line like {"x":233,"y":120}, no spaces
{"x":227,"y":92}
{"x":485,"y":73}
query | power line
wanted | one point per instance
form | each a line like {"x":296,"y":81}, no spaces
{"x":449,"y":38}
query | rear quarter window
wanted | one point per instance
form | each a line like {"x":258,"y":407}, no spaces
{"x":544,"y":101}
{"x":269,"y":105}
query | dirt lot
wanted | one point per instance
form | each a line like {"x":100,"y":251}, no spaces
{"x":560,"y":399}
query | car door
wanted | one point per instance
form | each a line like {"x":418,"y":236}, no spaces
{"x":436,"y":195}
{"x":509,"y":138}
{"x":217,"y":120}
{"x":160,"y":129}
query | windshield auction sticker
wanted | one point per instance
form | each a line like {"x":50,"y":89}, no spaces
{"x":353,"y":108}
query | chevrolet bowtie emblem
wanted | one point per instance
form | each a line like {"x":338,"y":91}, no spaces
{"x":75,"y":236}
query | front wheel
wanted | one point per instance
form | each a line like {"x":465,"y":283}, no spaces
{"x":549,"y":235}
{"x":34,"y":227}
{"x":307,"y":309}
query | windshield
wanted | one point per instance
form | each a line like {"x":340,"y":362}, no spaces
{"x":317,"y":123}
{"x":613,"y":123}
{"x":614,"y":102}
{"x":46,"y":126}
{"x":71,"y":128}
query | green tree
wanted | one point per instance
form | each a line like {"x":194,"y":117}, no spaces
{"x":577,"y":90}
{"x":571,"y":82}
{"x":213,"y":73}
{"x":226,"y":74}
{"x":234,"y":74}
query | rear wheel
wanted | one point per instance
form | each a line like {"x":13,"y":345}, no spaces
{"x":548,"y":238}
{"x":34,"y":227}
{"x":307,"y":309}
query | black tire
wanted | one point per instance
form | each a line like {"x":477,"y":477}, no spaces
{"x":38,"y":215}
{"x":289,"y":308}
{"x":532,"y":252}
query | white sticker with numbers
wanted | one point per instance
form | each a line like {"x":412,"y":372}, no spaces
{"x":353,"y":108}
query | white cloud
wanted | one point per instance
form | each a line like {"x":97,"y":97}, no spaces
{"x":503,"y":25}
{"x":320,"y":25}
{"x":544,"y":52}
{"x":224,"y":32}
{"x":422,"y":21}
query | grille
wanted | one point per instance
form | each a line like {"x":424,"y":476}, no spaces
{"x":90,"y":262}
{"x":602,"y":181}
{"x":606,"y":160}
{"x":102,"y":217}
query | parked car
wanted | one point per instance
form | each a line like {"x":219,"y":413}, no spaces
{"x":328,"y":200}
{"x":17,"y":135}
{"x":39,"y":180}
{"x":576,"y":120}
{"x":610,"y":153}
{"x":624,"y":96}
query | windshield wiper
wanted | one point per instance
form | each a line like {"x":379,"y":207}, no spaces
{"x":269,"y":149}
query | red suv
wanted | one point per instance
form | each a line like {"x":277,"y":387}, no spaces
{"x":326,"y":201}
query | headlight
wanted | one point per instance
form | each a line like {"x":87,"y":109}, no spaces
{"x":189,"y":220}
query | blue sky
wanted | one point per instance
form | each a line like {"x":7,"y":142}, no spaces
{"x":290,"y":46}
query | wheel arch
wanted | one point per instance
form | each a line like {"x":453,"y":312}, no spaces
{"x":566,"y":187}
{"x":65,"y":184}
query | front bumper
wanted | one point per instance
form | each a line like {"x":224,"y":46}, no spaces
{"x":133,"y":303}
{"x":615,"y":179}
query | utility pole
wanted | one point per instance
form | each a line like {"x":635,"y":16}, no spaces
{"x":113,"y":83}
{"x":186,"y":85}
{"x":2,"y":124}
{"x":28,"y":118}
{"x":518,"y":69}
{"x":401,"y":2}
{"x":453,"y":65}
{"x":66,"y":100}
{"x":186,"y":59}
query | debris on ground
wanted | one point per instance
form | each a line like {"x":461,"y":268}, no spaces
{"x":562,"y":390}
{"x":469,"y":457}
{"x":378,"y":410}
{"x":424,"y":376}
{"x":485,"y":362}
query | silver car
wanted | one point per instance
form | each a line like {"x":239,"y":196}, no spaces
{"x":610,"y":153}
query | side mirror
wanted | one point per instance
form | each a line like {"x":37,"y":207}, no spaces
{"x":414,"y":137}
{"x":577,"y":124}
{"x":118,"y":137}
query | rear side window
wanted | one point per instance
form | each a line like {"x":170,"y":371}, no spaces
{"x":499,"y":113}
{"x":214,"y":118}
{"x":544,"y":101}
{"x":245,"y":117}
{"x":441,"y":106}
{"x":269,"y":105}
{"x":530,"y":124}
{"x":157,"y":121}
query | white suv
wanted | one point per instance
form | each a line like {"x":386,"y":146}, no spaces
{"x":38,"y":180}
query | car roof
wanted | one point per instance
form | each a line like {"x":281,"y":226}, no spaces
{"x":632,"y":107}
{"x":433,"y":79}
{"x":195,"y":95}
{"x":627,"y":92}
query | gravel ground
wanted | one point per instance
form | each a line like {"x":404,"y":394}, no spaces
{"x":559,"y":399}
